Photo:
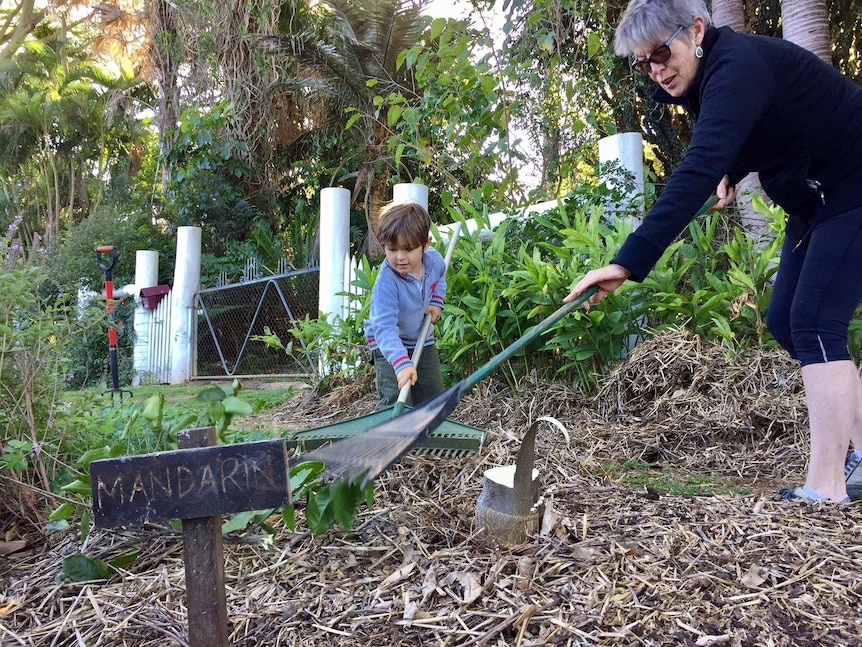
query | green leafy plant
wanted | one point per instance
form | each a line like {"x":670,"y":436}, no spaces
{"x":207,"y":171}
{"x":81,"y":568}
{"x":716,"y":281}
{"x":32,"y":363}
{"x":326,"y":503}
{"x":15,"y":455}
{"x":505,"y":285}
{"x":220,"y":404}
{"x":753,"y":264}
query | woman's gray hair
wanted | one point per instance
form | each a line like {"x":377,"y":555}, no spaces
{"x":647,"y":22}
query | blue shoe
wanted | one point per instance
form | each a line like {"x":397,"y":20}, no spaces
{"x":804,"y":495}
{"x":795,"y":494}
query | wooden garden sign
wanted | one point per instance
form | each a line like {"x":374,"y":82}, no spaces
{"x":197,"y":483}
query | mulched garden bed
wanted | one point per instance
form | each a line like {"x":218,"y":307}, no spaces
{"x":613,"y":565}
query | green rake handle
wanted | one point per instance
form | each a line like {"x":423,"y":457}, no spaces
{"x":533,"y":333}
{"x":528,"y":337}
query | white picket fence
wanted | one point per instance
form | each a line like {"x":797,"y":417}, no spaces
{"x":153,"y":345}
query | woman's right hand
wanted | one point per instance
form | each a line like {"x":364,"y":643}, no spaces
{"x":607,"y":279}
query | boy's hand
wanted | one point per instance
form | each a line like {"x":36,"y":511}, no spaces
{"x":435,"y":312}
{"x":405,"y":375}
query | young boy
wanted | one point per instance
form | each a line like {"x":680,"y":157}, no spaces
{"x":411,"y":283}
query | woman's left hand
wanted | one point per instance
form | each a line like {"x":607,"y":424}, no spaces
{"x":725,"y":192}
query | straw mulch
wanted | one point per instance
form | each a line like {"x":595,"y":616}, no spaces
{"x":612,"y":566}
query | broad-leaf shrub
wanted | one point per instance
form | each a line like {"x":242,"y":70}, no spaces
{"x":33,"y":334}
{"x":503,"y":286}
{"x":716,"y":280}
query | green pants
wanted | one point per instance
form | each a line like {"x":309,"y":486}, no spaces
{"x":429,"y":383}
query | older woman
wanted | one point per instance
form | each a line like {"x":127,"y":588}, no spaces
{"x":763,"y":104}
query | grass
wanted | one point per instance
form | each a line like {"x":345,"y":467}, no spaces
{"x":663,"y":480}
{"x":260,"y":394}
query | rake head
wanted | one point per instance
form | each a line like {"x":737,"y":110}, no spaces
{"x":367,"y":455}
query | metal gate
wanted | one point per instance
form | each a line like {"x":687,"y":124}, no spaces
{"x":229,"y":316}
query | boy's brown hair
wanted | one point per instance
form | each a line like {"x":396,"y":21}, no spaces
{"x":403,"y":223}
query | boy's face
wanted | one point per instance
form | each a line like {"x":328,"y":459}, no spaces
{"x":405,"y":261}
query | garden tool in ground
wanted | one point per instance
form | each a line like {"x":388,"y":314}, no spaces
{"x":107,"y":268}
{"x":367,"y":455}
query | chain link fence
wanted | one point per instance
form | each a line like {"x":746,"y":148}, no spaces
{"x":228,"y":317}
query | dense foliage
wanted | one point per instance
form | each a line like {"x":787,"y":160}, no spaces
{"x":715,"y":280}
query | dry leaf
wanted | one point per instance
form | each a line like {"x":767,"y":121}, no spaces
{"x":418,"y":615}
{"x":401,"y":574}
{"x":471,"y":589}
{"x":9,"y":547}
{"x":585,"y":553}
{"x":755,"y":576}
{"x":10,"y":605}
{"x":550,"y":518}
{"x":429,"y":584}
{"x":525,"y":571}
{"x":559,"y":425}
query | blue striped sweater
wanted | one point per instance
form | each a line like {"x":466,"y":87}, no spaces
{"x":398,"y":303}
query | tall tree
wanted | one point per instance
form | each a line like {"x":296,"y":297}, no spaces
{"x":731,"y":13}
{"x":806,"y":23}
{"x":16,"y":24}
{"x":343,"y":70}
{"x":164,"y":61}
{"x":63,"y":123}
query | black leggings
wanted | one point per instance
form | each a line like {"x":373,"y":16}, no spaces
{"x":818,"y":288}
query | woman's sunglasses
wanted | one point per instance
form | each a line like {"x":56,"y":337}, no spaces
{"x":660,"y":54}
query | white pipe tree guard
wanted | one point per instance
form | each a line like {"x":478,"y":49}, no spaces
{"x":411,"y":192}
{"x":146,"y":276}
{"x":187,"y":276}
{"x":334,"y":249}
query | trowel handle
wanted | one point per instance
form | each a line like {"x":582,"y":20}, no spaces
{"x":426,"y":322}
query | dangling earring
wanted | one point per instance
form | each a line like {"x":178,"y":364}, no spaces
{"x":698,"y":51}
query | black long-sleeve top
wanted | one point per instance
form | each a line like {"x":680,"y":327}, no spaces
{"x":760,"y":104}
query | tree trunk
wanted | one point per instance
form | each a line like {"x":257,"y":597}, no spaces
{"x":27,"y":20}
{"x":372,"y":184}
{"x":806,"y":23}
{"x":166,"y":55}
{"x":731,"y":13}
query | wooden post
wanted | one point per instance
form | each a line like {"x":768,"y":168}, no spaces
{"x":203,"y":555}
